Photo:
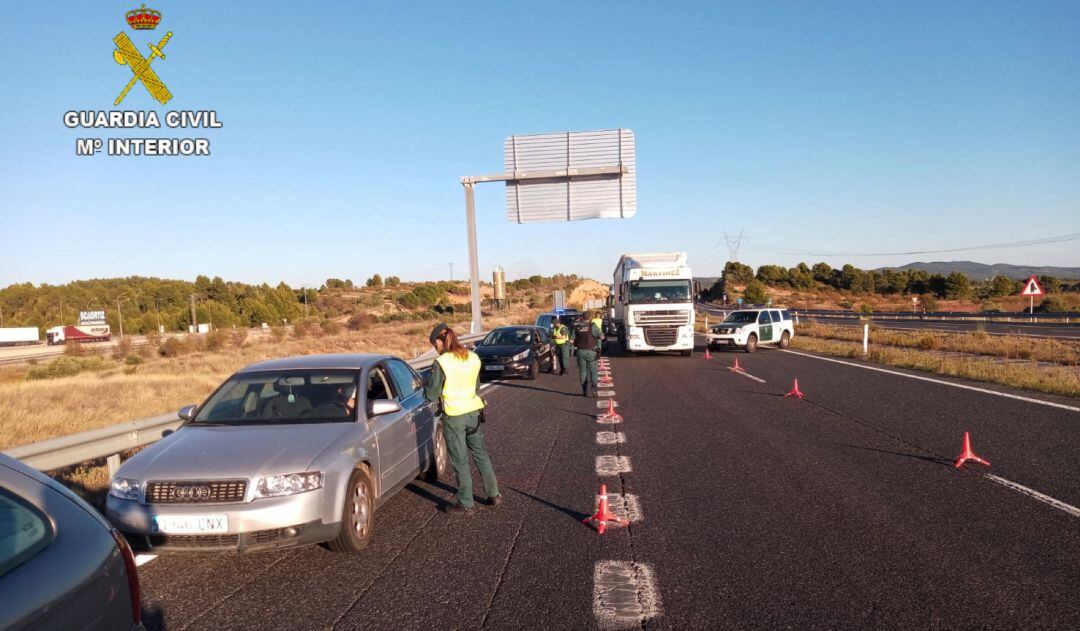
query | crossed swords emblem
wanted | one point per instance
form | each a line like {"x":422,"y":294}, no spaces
{"x":126,"y":53}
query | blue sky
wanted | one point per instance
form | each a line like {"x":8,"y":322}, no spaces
{"x":847,"y":127}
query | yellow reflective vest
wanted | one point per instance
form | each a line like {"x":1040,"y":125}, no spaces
{"x":459,"y":385}
{"x":561,"y":335}
{"x":598,"y":323}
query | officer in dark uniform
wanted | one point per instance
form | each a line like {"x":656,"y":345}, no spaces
{"x":586,"y":338}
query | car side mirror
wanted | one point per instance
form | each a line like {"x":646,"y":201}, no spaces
{"x":186,"y":413}
{"x":384,"y":406}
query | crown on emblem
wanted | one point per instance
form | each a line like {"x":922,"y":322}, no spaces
{"x":143,"y":18}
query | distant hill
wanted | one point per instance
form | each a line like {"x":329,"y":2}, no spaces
{"x":982,"y":271}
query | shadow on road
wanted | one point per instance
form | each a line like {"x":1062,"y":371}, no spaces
{"x":507,"y":384}
{"x":575,"y":515}
{"x":934,"y":459}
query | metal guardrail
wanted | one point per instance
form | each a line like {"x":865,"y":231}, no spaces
{"x":110,"y":441}
{"x":987,"y":316}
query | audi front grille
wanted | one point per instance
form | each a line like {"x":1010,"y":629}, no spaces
{"x":196,"y":492}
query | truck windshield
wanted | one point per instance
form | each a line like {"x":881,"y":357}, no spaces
{"x":645,"y":291}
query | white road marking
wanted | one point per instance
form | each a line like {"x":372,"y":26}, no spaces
{"x":625,"y":506}
{"x":1058,"y":504}
{"x":609,"y":420}
{"x":624,"y":594}
{"x":605,"y":393}
{"x":604,"y":404}
{"x":939,"y":381}
{"x":143,"y":559}
{"x":610,"y":438}
{"x":748,"y":375}
{"x":612,"y":465}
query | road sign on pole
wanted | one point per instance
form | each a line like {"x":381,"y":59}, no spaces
{"x":568,"y":176}
{"x":1032,"y":288}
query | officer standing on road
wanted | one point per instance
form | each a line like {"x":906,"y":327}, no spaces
{"x":598,"y":322}
{"x":561,"y":334}
{"x":586,"y":337}
{"x":455,"y":380}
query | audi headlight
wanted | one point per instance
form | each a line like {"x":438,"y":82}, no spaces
{"x":520,"y":356}
{"x":288,"y":484}
{"x":125,"y":488}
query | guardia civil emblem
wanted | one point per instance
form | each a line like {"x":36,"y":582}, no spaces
{"x":142,"y":19}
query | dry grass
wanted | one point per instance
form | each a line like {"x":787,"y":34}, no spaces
{"x":33,"y":410}
{"x":1063,"y":352}
{"x":1064,"y":380}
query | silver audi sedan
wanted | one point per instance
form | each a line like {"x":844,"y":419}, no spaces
{"x":286,"y":452}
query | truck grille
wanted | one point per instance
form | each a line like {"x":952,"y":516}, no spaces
{"x":679,"y":317}
{"x":196,"y":492}
{"x":661,"y":336}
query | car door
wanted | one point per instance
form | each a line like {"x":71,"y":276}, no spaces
{"x":765,"y":327}
{"x":394,"y":432}
{"x":410,"y":395}
{"x":778,"y":321}
{"x":543,"y":345}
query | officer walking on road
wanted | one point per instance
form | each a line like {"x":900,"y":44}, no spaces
{"x":598,"y":322}
{"x":455,"y":381}
{"x":561,"y":334}
{"x":586,"y":337}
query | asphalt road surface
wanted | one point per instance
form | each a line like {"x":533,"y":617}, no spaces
{"x":840,"y":511}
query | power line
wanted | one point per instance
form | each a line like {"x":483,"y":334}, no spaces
{"x":734,"y":243}
{"x":1014,"y":244}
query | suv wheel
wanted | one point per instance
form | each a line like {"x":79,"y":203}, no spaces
{"x":357,"y":519}
{"x":440,"y":462}
{"x":785,"y":340}
{"x":534,"y":369}
{"x":751,"y":343}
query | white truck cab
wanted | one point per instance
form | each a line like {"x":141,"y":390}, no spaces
{"x":653,"y":309}
{"x":750,"y":327}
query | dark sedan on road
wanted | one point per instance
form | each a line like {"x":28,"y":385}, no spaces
{"x":517,"y":351}
{"x":62,"y":566}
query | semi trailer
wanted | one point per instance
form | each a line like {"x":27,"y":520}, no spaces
{"x":80,"y":333}
{"x":15,"y":335}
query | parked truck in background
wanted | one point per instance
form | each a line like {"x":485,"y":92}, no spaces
{"x":653,"y":309}
{"x":13,"y":336}
{"x":81,"y":333}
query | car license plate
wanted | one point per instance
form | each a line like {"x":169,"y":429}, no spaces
{"x":182,"y":525}
{"x":494,"y":367}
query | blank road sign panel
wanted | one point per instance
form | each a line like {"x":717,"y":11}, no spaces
{"x":609,"y":196}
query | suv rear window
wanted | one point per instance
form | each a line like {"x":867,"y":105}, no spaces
{"x":24,"y":531}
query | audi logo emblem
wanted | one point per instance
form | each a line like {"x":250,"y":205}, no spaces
{"x":191,"y":493}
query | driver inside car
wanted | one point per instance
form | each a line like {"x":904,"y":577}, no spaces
{"x":343,"y":405}
{"x":287,"y":403}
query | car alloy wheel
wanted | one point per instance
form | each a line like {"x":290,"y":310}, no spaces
{"x":358,"y":518}
{"x":361,"y":511}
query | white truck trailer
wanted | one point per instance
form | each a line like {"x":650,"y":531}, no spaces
{"x":654,"y":303}
{"x":15,"y":335}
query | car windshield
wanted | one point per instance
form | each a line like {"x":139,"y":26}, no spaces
{"x":286,"y":396}
{"x":742,"y":317}
{"x":652,"y":291}
{"x":508,"y":337}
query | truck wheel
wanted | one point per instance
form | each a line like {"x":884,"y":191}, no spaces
{"x":534,"y":369}
{"x":751,"y":343}
{"x":785,"y":340}
{"x":685,"y":353}
{"x":358,"y":516}
{"x":440,"y":462}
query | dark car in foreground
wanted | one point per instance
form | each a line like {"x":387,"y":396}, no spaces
{"x":62,"y":566}
{"x":287,"y":452}
{"x":517,"y":351}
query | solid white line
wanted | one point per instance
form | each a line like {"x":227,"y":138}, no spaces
{"x":1058,"y":504}
{"x":143,"y":559}
{"x":939,"y":381}
{"x":624,"y":594}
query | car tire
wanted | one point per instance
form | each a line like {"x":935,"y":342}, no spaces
{"x":440,"y":468}
{"x":534,"y":369}
{"x":358,"y":515}
{"x":785,"y":340}
{"x":751,"y":343}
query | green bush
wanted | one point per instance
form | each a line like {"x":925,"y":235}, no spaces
{"x":866,"y":309}
{"x":217,"y":339}
{"x":133,"y":360}
{"x":66,"y":367}
{"x":330,"y":327}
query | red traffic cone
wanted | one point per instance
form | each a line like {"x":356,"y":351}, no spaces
{"x":968,"y":453}
{"x":708,"y":355}
{"x":795,"y":392}
{"x":611,"y":414}
{"x":603,"y":516}
{"x":736,"y":367}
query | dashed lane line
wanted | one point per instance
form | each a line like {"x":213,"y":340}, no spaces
{"x":612,"y":465}
{"x":610,"y":438}
{"x":743,"y":373}
{"x":624,"y":594}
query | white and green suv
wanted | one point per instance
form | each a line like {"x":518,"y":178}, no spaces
{"x":750,"y":327}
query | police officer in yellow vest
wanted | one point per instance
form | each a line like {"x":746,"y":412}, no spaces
{"x":561,"y":334}
{"x":455,"y":380}
{"x":598,"y":322}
